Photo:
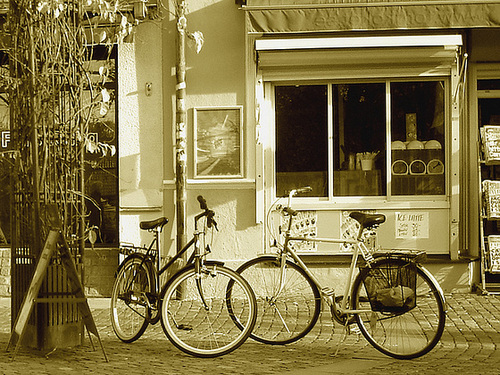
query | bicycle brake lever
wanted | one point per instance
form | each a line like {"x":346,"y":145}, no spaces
{"x":214,"y":223}
{"x":211,"y":221}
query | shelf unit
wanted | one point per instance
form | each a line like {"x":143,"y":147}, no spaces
{"x":489,"y":188}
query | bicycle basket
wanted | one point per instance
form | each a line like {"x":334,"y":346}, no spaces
{"x":392,"y":287}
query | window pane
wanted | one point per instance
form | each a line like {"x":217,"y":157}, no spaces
{"x":359,"y":139}
{"x":489,"y":111}
{"x":301,"y":139}
{"x":417,"y":125}
{"x":488,"y":84}
{"x":101,"y":157}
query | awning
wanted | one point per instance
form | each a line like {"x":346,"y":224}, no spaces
{"x":293,"y":16}
{"x":444,"y":41}
{"x":377,"y":56}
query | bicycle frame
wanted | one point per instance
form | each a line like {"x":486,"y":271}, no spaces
{"x":194,"y":258}
{"x":359,"y":248}
{"x":325,"y":292}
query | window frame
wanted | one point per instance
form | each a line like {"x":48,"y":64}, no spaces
{"x":351,"y":202}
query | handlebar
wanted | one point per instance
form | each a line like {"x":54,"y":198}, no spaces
{"x":206,"y":212}
{"x":288,"y":209}
{"x":294,"y":192}
{"x":203,"y":202}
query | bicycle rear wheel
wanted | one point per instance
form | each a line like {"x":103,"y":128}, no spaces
{"x":402,"y":332}
{"x":284,"y":315}
{"x":129,"y":305}
{"x":195,"y":315}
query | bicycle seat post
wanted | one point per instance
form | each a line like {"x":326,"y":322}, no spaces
{"x":157,"y":239}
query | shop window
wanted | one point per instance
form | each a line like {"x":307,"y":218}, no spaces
{"x":101,"y":163}
{"x":334,"y":137}
{"x":488,"y":84}
{"x":359,"y":139}
{"x":417,"y":133}
{"x":489,"y":111}
{"x":301,"y":131}
{"x":101,"y":157}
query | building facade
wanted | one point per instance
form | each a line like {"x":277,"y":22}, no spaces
{"x":377,"y":105}
{"x":292,"y":93}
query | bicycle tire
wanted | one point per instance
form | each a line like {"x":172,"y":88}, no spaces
{"x":408,"y":333}
{"x":129,"y":308}
{"x":208,"y":332}
{"x":292,"y":314}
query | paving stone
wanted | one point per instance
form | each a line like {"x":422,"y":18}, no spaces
{"x":468,"y":346}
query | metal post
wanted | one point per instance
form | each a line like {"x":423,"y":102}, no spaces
{"x":181,"y":136}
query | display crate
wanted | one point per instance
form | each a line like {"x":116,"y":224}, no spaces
{"x":491,"y":195}
{"x":494,"y":253}
{"x":490,"y":137}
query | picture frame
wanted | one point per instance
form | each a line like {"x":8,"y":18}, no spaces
{"x":218,"y":142}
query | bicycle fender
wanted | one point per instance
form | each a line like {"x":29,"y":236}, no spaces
{"x":436,"y":283}
{"x":266,"y":257}
{"x":138,"y":256}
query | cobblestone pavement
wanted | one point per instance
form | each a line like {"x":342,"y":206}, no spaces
{"x":468,"y":346}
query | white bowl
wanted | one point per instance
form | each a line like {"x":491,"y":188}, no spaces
{"x":415,"y":145}
{"x":433,"y":145}
{"x":398,"y":145}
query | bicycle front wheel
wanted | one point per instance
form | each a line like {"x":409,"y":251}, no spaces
{"x":287,"y":310}
{"x":400,"y":331}
{"x":195,"y":314}
{"x":129,"y":304}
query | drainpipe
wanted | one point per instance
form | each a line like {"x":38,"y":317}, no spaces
{"x":181,"y":136}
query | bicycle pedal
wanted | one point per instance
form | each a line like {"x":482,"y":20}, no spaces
{"x":330,"y":292}
{"x":355,"y":330}
{"x":184,"y":327}
{"x":352,"y":329}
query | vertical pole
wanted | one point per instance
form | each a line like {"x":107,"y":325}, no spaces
{"x":181,"y":136}
{"x":34,"y":109}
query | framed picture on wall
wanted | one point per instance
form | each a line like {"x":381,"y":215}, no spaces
{"x":218,"y":142}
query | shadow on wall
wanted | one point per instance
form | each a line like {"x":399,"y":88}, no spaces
{"x":453,"y":278}
{"x":235,"y":209}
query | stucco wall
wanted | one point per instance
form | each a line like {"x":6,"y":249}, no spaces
{"x":214,"y":77}
{"x":140,"y":131}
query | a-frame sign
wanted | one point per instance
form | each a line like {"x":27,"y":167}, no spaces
{"x":54,"y":238}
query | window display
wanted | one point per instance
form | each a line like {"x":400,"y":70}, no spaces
{"x":333,"y":137}
{"x":417,"y":133}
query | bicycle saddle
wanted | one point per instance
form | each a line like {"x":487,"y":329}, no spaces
{"x":367,"y":220}
{"x":152,"y":224}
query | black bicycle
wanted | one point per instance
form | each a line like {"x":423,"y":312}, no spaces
{"x":196,"y":308}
